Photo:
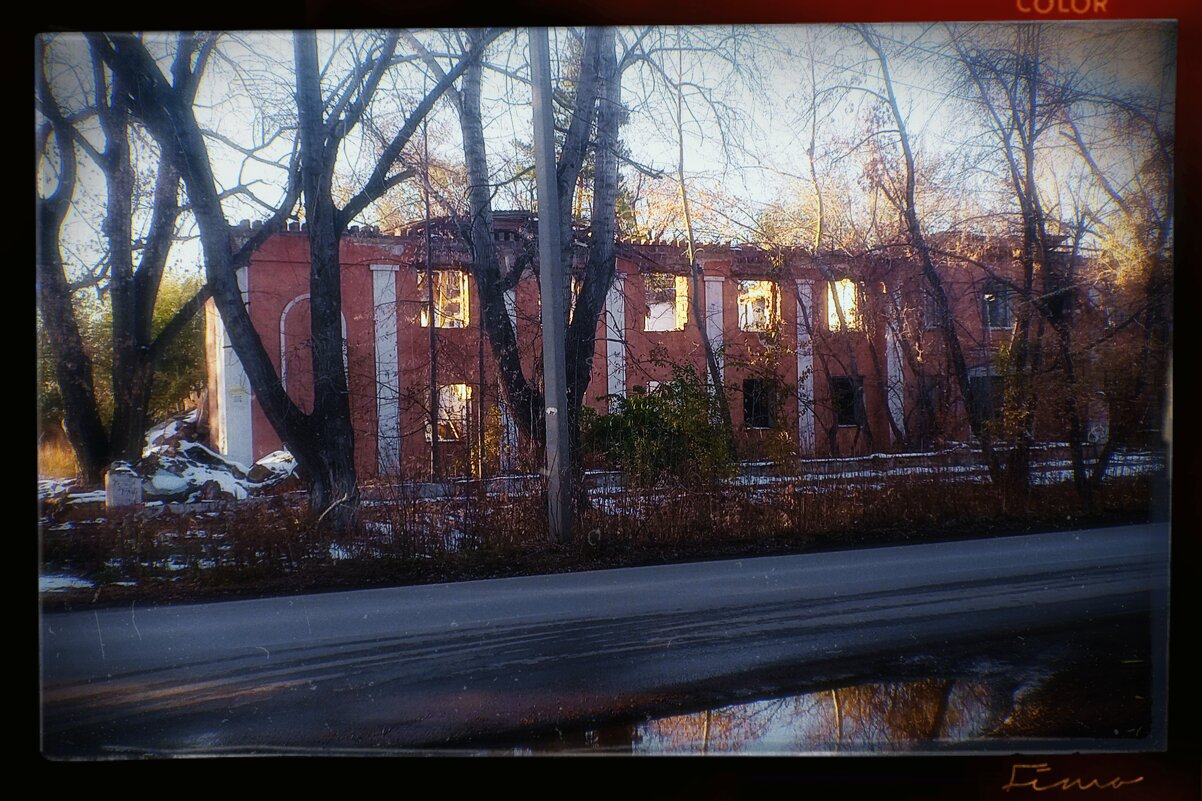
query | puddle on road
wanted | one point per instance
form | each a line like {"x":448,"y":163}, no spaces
{"x":1094,"y":688}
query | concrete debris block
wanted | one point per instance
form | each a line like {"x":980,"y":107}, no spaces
{"x":199,"y":454}
{"x":211,"y":490}
{"x":258,"y":474}
{"x":167,"y":436}
{"x":122,"y":486}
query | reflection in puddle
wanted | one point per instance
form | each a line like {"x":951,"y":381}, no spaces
{"x":868,"y":717}
{"x":1093,"y":688}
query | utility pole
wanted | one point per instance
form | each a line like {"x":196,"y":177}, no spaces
{"x":551,"y":283}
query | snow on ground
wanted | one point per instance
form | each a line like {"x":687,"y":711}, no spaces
{"x":176,"y":467}
{"x":96,"y":496}
{"x":617,"y":503}
{"x":54,"y":487}
{"x":1126,"y":464}
{"x":60,"y":582}
{"x":186,"y":475}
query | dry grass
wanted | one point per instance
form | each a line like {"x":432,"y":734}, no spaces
{"x":56,"y":460}
{"x":272,"y":546}
{"x":837,"y":511}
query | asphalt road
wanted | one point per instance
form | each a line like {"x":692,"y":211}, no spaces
{"x":418,"y":666}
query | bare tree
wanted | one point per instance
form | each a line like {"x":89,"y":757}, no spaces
{"x":131,"y":272}
{"x":1124,"y":363}
{"x":321,"y":440}
{"x":908,"y":208}
{"x":1029,"y":91}
{"x":596,"y":105}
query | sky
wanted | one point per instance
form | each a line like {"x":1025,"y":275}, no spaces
{"x":746,"y":122}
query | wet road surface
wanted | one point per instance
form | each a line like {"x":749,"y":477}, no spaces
{"x":416,"y":667}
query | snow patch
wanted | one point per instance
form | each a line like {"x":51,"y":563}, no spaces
{"x":60,"y":582}
{"x":96,"y":496}
{"x":50,"y":488}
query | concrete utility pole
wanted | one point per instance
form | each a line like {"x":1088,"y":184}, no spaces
{"x":551,"y":277}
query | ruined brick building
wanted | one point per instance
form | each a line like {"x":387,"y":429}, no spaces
{"x":822,"y":355}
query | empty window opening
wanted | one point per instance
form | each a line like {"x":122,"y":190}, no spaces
{"x":930,"y":401}
{"x":847,"y":400}
{"x":453,"y":403}
{"x":987,"y":396}
{"x":842,"y":296}
{"x":995,"y":304}
{"x":667,"y":302}
{"x":450,"y":299}
{"x":759,"y":403}
{"x":931,"y":316}
{"x":930,"y":391}
{"x":759,"y":306}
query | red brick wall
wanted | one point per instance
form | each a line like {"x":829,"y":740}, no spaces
{"x":279,"y":275}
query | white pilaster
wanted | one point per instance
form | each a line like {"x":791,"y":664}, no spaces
{"x":509,"y":433}
{"x":713,"y":321}
{"x":895,"y":390}
{"x":235,"y":441}
{"x":805,"y":368}
{"x":388,"y":377}
{"x":509,"y":428}
{"x":615,"y":339}
{"x":511,"y":308}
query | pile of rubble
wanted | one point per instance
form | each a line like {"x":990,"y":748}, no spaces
{"x":176,"y":468}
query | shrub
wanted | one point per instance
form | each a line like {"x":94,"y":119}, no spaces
{"x":669,"y":432}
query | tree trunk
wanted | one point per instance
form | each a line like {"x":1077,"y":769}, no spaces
{"x":601,"y":266}
{"x":73,"y":365}
{"x":521,"y":395}
{"x":947,"y":323}
{"x":134,"y":389}
{"x":697,"y":283}
{"x":334,"y":489}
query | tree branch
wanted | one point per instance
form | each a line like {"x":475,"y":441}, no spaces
{"x":177,"y":323}
{"x":340,"y":124}
{"x":432,"y":62}
{"x":377,"y":184}
{"x":274,"y":223}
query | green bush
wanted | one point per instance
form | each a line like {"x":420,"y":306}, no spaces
{"x":179,"y":372}
{"x":672,"y":432}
